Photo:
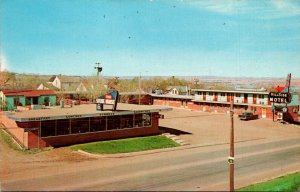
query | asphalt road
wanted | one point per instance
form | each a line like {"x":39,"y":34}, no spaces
{"x":194,"y":168}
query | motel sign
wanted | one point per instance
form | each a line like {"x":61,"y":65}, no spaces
{"x":276,"y":97}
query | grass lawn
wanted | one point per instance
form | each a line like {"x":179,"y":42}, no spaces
{"x":285,"y":183}
{"x":10,"y":142}
{"x":127,"y":145}
{"x":7,"y":139}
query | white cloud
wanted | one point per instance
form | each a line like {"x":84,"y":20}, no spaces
{"x":224,"y":7}
{"x":3,"y":62}
{"x":263,"y":9}
{"x":286,"y":8}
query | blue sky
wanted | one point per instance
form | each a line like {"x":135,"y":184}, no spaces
{"x":253,"y":38}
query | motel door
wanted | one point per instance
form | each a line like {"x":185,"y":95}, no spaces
{"x":254,"y":98}
{"x":245,"y":98}
{"x":263,"y":113}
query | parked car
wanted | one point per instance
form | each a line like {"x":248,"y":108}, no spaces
{"x":248,"y":116}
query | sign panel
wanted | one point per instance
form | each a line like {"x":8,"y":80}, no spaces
{"x":284,"y":110}
{"x":106,"y":101}
{"x":276,"y":97}
{"x":110,"y":98}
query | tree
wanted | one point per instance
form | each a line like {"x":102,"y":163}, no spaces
{"x":5,"y":77}
{"x":95,"y":87}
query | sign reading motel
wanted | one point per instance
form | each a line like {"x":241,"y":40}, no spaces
{"x":277,"y":97}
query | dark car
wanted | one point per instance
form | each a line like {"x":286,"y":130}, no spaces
{"x":248,"y":116}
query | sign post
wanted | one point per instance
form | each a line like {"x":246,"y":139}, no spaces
{"x":281,"y":96}
{"x":273,"y":112}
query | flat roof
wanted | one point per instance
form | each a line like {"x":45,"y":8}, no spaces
{"x":28,"y":93}
{"x":82,"y":111}
{"x":174,"y":96}
{"x":233,"y":91}
{"x":225,"y":102}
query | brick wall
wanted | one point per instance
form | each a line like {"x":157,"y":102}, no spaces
{"x":175,"y":103}
{"x":158,"y":102}
{"x":291,"y":115}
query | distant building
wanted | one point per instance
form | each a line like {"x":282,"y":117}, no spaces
{"x":47,"y":86}
{"x":177,"y":90}
{"x":62,"y":83}
{"x":65,"y":83}
{"x":142,"y":98}
{"x":67,"y":87}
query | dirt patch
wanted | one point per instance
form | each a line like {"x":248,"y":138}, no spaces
{"x":14,"y":162}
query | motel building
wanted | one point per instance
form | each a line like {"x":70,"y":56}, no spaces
{"x":57,"y":126}
{"x":218,"y":101}
{"x":26,"y":99}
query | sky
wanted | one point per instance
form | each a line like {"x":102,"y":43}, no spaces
{"x":233,"y":38}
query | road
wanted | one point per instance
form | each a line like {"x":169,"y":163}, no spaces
{"x":192,"y":168}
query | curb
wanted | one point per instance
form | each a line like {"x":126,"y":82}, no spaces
{"x":148,"y":152}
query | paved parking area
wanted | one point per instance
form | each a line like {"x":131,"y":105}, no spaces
{"x":201,"y":128}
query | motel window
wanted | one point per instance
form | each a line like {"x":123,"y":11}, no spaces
{"x":126,"y":121}
{"x":295,"y":110}
{"x":223,"y":94}
{"x":48,"y":128}
{"x":31,"y":100}
{"x":113,"y":122}
{"x":79,"y":125}
{"x":35,"y":100}
{"x":17,"y":101}
{"x":63,"y":127}
{"x":261,"y":96}
{"x":27,"y":101}
{"x":211,"y":94}
{"x":142,"y":120}
{"x":46,"y":101}
{"x":98,"y":124}
{"x":238,"y":95}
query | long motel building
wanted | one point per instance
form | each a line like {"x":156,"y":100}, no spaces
{"x":218,"y":101}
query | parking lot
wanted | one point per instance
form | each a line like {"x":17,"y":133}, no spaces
{"x":201,"y":128}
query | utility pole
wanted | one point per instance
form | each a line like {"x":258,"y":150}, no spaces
{"x":98,"y":68}
{"x":140,"y":88}
{"x":231,"y":157}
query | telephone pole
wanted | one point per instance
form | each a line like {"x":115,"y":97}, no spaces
{"x":231,"y":157}
{"x":140,"y":88}
{"x":98,"y":68}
